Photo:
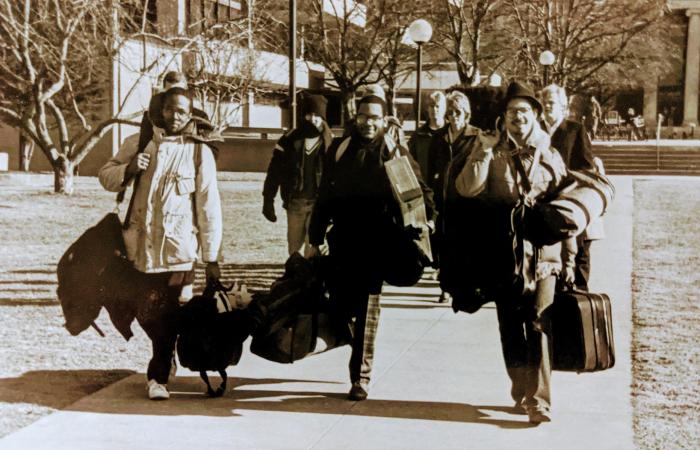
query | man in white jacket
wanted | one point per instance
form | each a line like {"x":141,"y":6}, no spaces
{"x":175,"y":212}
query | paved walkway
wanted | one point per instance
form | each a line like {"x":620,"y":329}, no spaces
{"x":439,"y":382}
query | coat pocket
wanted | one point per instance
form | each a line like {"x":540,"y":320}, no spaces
{"x":180,"y":240}
{"x":184,"y":186}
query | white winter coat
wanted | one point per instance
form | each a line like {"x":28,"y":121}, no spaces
{"x":162,"y":235}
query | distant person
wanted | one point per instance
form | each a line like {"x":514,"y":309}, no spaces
{"x":595,"y":114}
{"x":175,"y":213}
{"x":635,"y":126}
{"x":419,"y":144}
{"x":295,"y":170}
{"x":200,"y":118}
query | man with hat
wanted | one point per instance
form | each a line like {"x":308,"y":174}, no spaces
{"x":295,"y":169}
{"x":357,"y":199}
{"x":521,"y":166}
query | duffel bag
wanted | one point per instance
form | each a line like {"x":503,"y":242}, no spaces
{"x":302,"y":336}
{"x":289,"y":295}
{"x":211,"y":335}
{"x":587,"y":196}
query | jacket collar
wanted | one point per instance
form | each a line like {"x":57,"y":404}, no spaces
{"x":466,"y":132}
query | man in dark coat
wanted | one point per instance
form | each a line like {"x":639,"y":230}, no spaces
{"x":356,"y":198}
{"x":572,"y":142}
{"x":419,"y":144}
{"x":448,"y":152}
{"x":295,"y":170}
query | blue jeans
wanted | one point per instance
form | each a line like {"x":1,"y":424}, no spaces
{"x":298,"y":218}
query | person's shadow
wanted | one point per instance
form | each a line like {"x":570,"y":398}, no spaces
{"x":71,"y":389}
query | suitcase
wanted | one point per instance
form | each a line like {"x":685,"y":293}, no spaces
{"x":582,"y":334}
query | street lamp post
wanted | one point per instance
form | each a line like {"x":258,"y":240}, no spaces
{"x":292,"y":64}
{"x":546,"y":59}
{"x":420,"y":31}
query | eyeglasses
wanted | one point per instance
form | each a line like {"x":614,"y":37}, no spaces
{"x":520,"y":110}
{"x":364,"y":118}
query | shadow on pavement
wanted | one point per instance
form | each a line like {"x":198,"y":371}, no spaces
{"x":57,"y":388}
{"x":187,"y":398}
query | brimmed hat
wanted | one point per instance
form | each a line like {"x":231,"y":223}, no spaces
{"x":518,"y":89}
{"x":315,"y":104}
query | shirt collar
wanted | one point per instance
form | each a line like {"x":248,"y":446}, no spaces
{"x":552,"y":128}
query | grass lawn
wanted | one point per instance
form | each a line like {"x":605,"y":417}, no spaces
{"x":45,"y":369}
{"x":666,"y":313}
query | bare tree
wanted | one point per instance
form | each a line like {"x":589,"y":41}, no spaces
{"x":395,"y":62}
{"x":467,"y":32}
{"x":586,"y":36}
{"x":226,"y":66}
{"x":347,"y":40}
{"x":54,"y":69}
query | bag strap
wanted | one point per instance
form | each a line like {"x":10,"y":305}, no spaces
{"x":222,"y":387}
{"x":521,"y":171}
{"x":197,"y":162}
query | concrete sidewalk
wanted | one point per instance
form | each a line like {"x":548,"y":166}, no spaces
{"x":439,"y":382}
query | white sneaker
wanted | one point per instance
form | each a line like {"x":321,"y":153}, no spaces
{"x":157,"y":391}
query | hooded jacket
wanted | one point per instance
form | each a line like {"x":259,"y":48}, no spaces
{"x":165,"y":232}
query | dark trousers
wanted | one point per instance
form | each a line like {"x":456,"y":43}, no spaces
{"x":157,"y":309}
{"x":582,"y":272}
{"x":525,"y":331}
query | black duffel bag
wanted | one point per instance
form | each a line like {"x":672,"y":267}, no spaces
{"x":211,"y":334}
{"x":303,"y":335}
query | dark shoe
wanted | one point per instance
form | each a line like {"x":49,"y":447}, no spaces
{"x":445,"y":298}
{"x":519,"y":407}
{"x":358,"y":392}
{"x":538,"y":414}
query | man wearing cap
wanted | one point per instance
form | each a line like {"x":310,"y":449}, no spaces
{"x":497,"y":176}
{"x":356,"y":198}
{"x":295,"y":169}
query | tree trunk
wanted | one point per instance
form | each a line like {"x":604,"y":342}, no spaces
{"x":349,"y":109}
{"x":391,"y":101}
{"x":63,"y":176}
{"x":26,"y":149}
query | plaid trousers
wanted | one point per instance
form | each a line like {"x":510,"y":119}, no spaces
{"x":364,"y":334}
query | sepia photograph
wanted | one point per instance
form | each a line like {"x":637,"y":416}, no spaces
{"x":349,"y":224}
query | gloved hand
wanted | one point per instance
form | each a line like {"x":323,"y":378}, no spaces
{"x":212,"y":272}
{"x":269,"y":210}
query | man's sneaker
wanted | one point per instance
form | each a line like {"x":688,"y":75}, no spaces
{"x":519,"y":407}
{"x":358,"y":392}
{"x":157,"y":391}
{"x":538,"y":414}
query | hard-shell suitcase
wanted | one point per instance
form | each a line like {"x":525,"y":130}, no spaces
{"x":582,"y":334}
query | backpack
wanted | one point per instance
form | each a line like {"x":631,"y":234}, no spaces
{"x":211,"y":335}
